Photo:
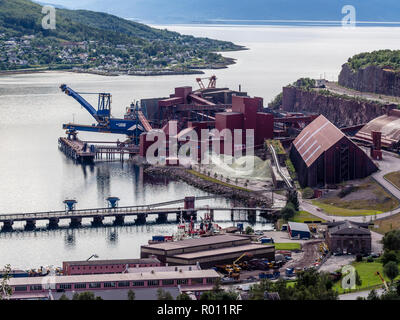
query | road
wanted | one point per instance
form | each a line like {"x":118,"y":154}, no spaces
{"x":355,"y":295}
{"x":336,"y":88}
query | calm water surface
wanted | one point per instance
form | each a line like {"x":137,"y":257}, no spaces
{"x":35,"y":176}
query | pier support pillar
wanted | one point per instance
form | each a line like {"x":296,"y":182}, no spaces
{"x":97,"y":221}
{"x":188,"y":215}
{"x":76,"y":222}
{"x":252,"y":215}
{"x":53,"y":223}
{"x":7,"y":225}
{"x":141,"y":218}
{"x":212,"y":214}
{"x":162,"y":218}
{"x":119,"y":220}
{"x":30,"y":225}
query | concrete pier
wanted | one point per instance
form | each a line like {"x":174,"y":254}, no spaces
{"x":53,"y":223}
{"x":75,"y":222}
{"x":119,"y":220}
{"x":30,"y":225}
{"x":162,"y":218}
{"x":7,"y":225}
{"x":97,"y":221}
{"x":141,"y":218}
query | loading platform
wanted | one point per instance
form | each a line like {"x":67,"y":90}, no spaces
{"x":88,"y":151}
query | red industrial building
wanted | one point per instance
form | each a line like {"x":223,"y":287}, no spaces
{"x":323,"y":155}
{"x":246,"y":114}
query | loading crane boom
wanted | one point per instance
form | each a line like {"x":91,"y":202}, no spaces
{"x":211,"y":85}
{"x":383,"y":280}
{"x":133,"y":124}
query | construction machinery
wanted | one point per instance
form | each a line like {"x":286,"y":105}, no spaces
{"x":211,"y":85}
{"x":246,"y":254}
{"x":383,"y":280}
{"x":133,"y":124}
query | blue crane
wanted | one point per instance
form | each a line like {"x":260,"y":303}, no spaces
{"x":133,"y":124}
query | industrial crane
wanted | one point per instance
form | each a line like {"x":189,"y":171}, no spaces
{"x":211,"y":85}
{"x":133,"y":124}
{"x":383,"y":280}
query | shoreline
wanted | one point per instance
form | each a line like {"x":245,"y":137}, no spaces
{"x":246,"y":197}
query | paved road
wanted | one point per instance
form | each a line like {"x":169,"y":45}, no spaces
{"x":355,"y":295}
{"x":336,"y":88}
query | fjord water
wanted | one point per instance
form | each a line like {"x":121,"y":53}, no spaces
{"x":36,"y":176}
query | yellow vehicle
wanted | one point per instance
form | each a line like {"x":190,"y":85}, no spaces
{"x":236,"y":266}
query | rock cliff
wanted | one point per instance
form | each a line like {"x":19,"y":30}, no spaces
{"x":339,"y":110}
{"x":371,"y":79}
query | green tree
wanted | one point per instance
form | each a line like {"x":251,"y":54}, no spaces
{"x":163,"y":295}
{"x":249,"y":230}
{"x":389,"y":256}
{"x":131,"y":295}
{"x":373,"y":295}
{"x":308,"y":193}
{"x":391,"y":240}
{"x":391,"y":270}
{"x":310,"y":285}
{"x":183,"y":296}
{"x":85,"y":296}
{"x":288,"y":212}
{"x":292,"y":197}
{"x":64,"y":297}
{"x":5,"y":288}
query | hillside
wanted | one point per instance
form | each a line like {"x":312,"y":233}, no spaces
{"x":376,"y":72}
{"x":184,"y":11}
{"x":98,"y":40}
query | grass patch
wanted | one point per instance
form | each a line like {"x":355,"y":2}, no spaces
{"x":364,"y":199}
{"x":210,"y":179}
{"x":366,"y":271}
{"x":394,"y":178}
{"x":287,"y":246}
{"x":388,"y":224}
{"x":338,"y":211}
{"x":302,"y":216}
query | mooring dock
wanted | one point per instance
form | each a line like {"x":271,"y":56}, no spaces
{"x":187,"y":212}
{"x":88,"y":151}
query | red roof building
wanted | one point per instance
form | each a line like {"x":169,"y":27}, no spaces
{"x":322,"y":155}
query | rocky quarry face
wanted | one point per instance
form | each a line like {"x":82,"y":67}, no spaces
{"x":371,"y":79}
{"x":340,"y":111}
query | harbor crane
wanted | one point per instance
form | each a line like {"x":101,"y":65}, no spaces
{"x":211,"y":85}
{"x":133,"y":124}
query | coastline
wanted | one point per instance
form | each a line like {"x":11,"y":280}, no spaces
{"x":245,"y":197}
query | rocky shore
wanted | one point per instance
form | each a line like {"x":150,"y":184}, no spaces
{"x":244,"y":197}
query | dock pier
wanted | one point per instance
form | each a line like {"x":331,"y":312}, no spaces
{"x":141,"y":213}
{"x":89,"y":151}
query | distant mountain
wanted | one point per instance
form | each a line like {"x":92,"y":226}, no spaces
{"x":183,"y":11}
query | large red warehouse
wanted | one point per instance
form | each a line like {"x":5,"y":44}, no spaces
{"x":323,"y":155}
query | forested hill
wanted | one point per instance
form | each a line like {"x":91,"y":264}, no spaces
{"x":109,"y":42}
{"x":19,"y":17}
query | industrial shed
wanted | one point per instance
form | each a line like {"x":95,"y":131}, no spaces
{"x":323,"y":155}
{"x":299,"y":230}
{"x":388,"y":125}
